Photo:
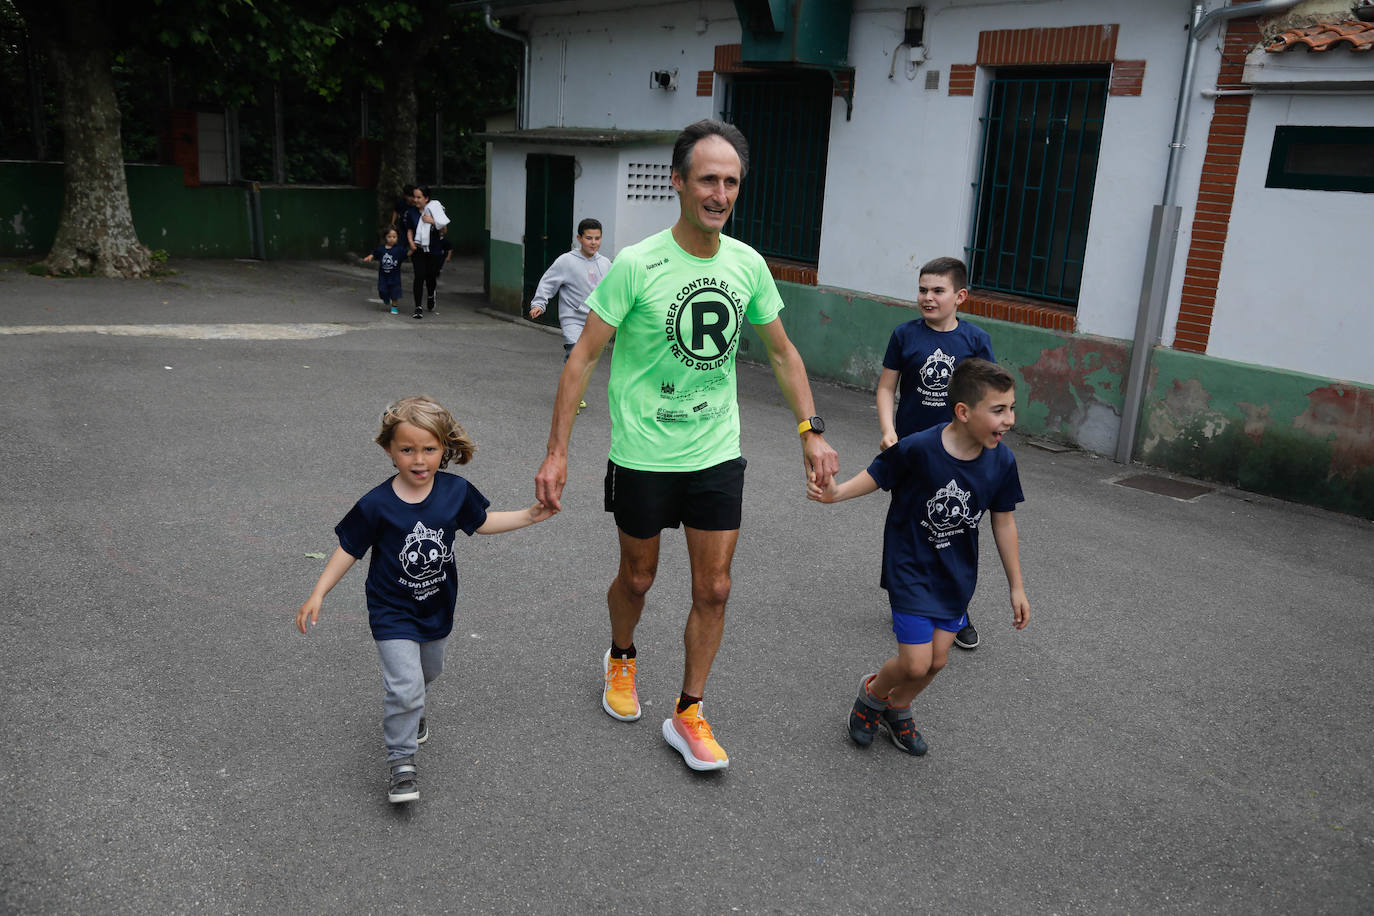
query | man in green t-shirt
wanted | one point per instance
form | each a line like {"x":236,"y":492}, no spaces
{"x":676,"y":303}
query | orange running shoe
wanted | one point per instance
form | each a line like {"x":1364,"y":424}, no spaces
{"x":619,"y":697}
{"x":690,"y":736}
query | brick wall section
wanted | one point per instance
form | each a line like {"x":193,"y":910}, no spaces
{"x":1019,"y":311}
{"x":1212,"y":216}
{"x":788,"y":272}
{"x":1079,"y":44}
{"x":706,"y":82}
{"x":1128,"y":77}
{"x":961,"y":78}
{"x":728,"y":59}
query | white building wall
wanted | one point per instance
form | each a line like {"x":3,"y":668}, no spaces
{"x":899,"y":183}
{"x":1291,"y":293}
{"x":592,"y":69}
{"x":899,"y":188}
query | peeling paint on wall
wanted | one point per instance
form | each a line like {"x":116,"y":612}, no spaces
{"x":1346,"y":417}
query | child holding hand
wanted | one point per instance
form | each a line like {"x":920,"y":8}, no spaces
{"x":942,"y":480}
{"x":410,"y":523}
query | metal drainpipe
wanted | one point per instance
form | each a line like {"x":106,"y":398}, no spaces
{"x":1159,"y":259}
{"x":523,"y":101}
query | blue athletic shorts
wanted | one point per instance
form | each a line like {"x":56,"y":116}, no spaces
{"x":389,"y":288}
{"x":915,"y":630}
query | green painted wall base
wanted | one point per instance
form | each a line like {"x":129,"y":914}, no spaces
{"x":507,"y":271}
{"x":214,"y":221}
{"x":1284,"y":434}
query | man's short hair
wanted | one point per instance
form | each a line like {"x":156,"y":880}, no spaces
{"x":948,"y":267}
{"x":708,"y":127}
{"x":588,"y":223}
{"x":973,"y":378}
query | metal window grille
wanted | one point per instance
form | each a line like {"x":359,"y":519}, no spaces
{"x":1041,"y":136}
{"x":787,"y":123}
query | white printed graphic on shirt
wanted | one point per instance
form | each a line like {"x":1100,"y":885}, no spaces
{"x":935,"y":376}
{"x":424,"y":554}
{"x":947,"y":512}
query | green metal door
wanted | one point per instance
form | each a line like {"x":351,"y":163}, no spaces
{"x":549,"y":223}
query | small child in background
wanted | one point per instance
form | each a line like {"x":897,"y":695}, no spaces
{"x":921,"y":356}
{"x":389,"y":256}
{"x":410,"y":523}
{"x":942,"y":480}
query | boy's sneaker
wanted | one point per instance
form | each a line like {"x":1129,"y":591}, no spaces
{"x":405,"y":783}
{"x":967,"y":638}
{"x":618,"y":695}
{"x":395,"y":311}
{"x":863,"y":718}
{"x":422,"y":734}
{"x":902,"y":731}
{"x":690,"y":736}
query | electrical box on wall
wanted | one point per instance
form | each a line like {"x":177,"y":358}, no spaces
{"x":796,"y":33}
{"x":663,"y":79}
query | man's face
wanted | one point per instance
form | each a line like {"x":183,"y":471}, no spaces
{"x":707,"y":195}
{"x":590,"y":242}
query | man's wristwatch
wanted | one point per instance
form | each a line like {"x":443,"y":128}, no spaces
{"x":811,"y":425}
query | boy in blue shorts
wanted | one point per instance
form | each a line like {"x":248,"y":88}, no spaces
{"x":921,"y":356}
{"x":942,"y":480}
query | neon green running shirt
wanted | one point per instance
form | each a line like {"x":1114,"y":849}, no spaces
{"x":678,"y":319}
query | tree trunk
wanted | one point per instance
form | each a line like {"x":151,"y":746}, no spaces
{"x":95,"y":233}
{"x":397,"y":166}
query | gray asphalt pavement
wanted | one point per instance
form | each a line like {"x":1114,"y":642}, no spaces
{"x":1184,"y":727}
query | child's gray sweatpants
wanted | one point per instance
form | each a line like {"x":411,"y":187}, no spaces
{"x":407,"y":668}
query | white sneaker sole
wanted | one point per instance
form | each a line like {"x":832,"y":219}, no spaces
{"x":605,"y":704}
{"x":408,"y":797}
{"x":680,"y":745}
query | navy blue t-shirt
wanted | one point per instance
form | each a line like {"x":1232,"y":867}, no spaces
{"x":389,"y":259}
{"x":930,"y":539}
{"x":926,"y":359}
{"x":412,"y":582}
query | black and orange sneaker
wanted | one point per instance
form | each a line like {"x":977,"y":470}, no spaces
{"x":863,"y":718}
{"x":902,"y":730}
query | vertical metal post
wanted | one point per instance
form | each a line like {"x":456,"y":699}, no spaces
{"x":1154,"y":290}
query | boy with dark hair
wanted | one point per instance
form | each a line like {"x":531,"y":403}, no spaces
{"x":920,"y":358}
{"x":942,"y":480}
{"x":572,"y":277}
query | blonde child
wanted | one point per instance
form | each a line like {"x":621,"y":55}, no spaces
{"x":410,"y":522}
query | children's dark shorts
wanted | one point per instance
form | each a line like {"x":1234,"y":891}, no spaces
{"x":646,"y":502}
{"x":389,"y":288}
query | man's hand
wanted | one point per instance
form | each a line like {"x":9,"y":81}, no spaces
{"x":822,"y":462}
{"x":548,"y":483}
